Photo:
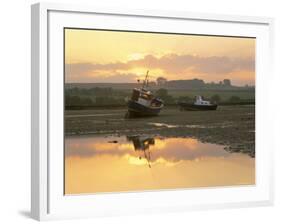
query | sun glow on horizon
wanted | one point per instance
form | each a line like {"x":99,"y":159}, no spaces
{"x":114,"y":56}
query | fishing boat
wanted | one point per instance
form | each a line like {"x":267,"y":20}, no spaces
{"x":143,"y":103}
{"x":198,"y":104}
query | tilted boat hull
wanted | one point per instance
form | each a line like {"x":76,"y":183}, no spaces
{"x":138,"y":110}
{"x":190,"y":106}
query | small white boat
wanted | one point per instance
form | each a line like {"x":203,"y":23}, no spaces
{"x":198,"y":104}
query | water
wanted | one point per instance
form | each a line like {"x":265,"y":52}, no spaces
{"x":136,"y":163}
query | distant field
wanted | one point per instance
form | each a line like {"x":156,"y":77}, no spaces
{"x":224,"y":94}
{"x":77,"y":98}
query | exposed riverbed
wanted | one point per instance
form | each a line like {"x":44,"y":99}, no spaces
{"x":232,"y":127}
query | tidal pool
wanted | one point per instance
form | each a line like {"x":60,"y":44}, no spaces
{"x":134,"y":163}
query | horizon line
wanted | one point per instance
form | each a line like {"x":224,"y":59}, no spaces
{"x":250,"y":85}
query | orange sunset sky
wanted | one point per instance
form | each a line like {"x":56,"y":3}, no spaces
{"x":93,"y":56}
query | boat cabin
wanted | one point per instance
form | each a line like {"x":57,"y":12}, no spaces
{"x":199,"y":101}
{"x":143,"y":103}
{"x":145,"y":98}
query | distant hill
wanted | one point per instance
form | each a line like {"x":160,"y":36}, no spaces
{"x":172,"y":84}
{"x":103,"y":85}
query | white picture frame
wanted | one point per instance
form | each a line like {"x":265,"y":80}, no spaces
{"x":48,"y":201}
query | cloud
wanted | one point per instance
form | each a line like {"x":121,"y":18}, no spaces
{"x":87,"y":72}
{"x":181,"y":63}
{"x":115,"y":78}
{"x":169,"y":64}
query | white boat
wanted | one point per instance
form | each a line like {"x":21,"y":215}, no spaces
{"x":198,"y":104}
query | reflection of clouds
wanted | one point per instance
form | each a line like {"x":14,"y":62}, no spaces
{"x":161,"y":160}
{"x":170,"y":150}
{"x":190,"y":143}
{"x":125,"y":146}
{"x":143,"y":162}
{"x":89,"y":146}
{"x":188,"y":149}
{"x":160,"y":144}
{"x":135,"y":160}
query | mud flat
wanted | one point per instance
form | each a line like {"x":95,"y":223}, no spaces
{"x":231,"y":126}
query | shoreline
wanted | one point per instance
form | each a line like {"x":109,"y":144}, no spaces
{"x":230,"y":126}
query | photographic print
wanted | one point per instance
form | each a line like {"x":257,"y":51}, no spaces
{"x":157,"y":111}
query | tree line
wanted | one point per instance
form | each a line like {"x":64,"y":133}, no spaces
{"x":82,"y":97}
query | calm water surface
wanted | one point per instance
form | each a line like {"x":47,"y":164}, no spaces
{"x":135,"y":163}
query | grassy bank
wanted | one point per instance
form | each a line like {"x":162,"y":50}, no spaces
{"x":76,"y":98}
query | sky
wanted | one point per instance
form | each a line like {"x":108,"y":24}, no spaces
{"x":96,"y":56}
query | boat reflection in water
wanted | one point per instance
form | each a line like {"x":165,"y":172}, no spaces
{"x":135,"y":163}
{"x":141,"y":144}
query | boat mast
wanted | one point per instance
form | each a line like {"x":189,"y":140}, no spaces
{"x":147,"y":157}
{"x":145,"y":82}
